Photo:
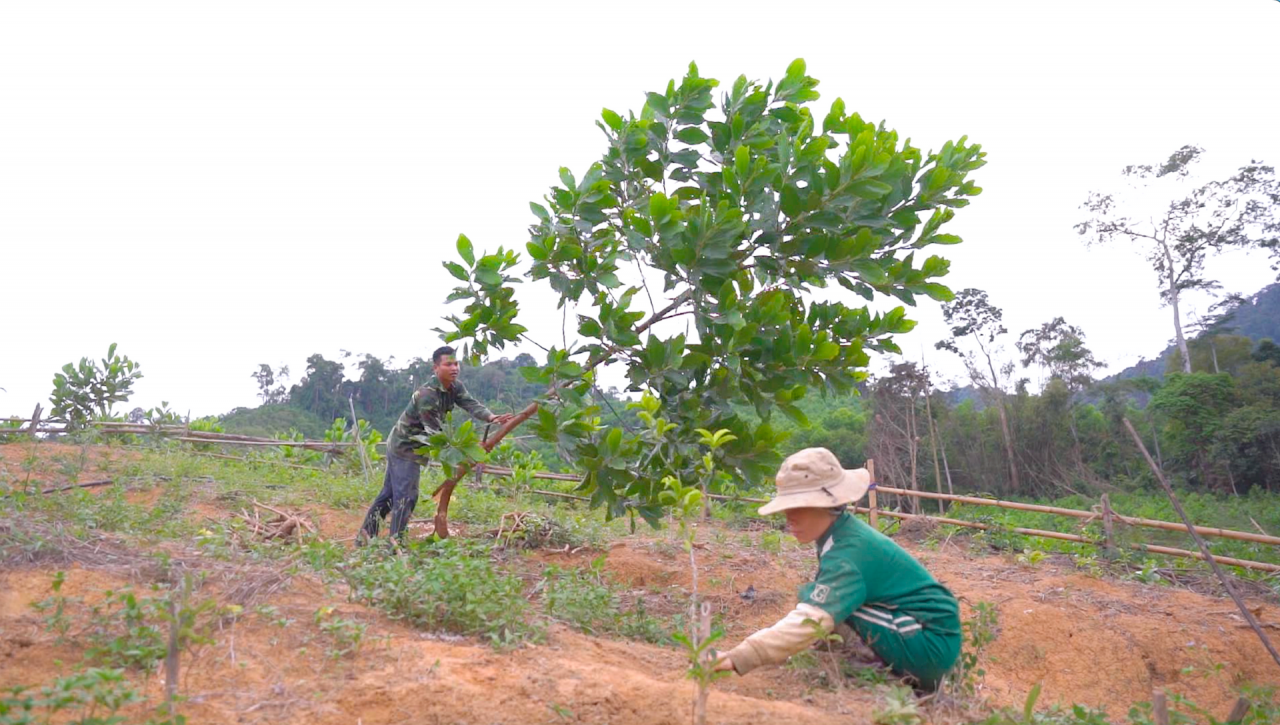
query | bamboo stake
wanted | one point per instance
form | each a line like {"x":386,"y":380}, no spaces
{"x":1238,"y":711}
{"x":1160,"y":707}
{"x":1204,"y":548}
{"x":364,"y":460}
{"x":1106,"y":523}
{"x":873,"y":517}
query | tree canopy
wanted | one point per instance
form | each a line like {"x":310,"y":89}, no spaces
{"x":734,"y":214}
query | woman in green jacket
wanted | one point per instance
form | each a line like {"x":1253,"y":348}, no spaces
{"x":864,"y":580}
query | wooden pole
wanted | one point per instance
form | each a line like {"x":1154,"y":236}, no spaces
{"x":1041,"y":533}
{"x":933,"y":444}
{"x":873,"y":515}
{"x":1160,"y":707}
{"x":1076,"y":513}
{"x":1107,"y":530}
{"x":355,"y":428}
{"x":1238,"y":711}
{"x":171,"y":655}
{"x":1204,"y":548}
{"x":35,"y":421}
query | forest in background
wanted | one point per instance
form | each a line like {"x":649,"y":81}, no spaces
{"x":1217,"y":428}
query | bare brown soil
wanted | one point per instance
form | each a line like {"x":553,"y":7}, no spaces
{"x":1084,"y":639}
{"x":54,"y":464}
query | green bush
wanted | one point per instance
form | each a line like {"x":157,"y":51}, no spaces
{"x":91,"y":697}
{"x":444,"y":585}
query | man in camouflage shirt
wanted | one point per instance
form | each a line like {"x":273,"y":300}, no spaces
{"x":423,"y":416}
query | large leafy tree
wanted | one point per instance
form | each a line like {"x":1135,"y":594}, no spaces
{"x":1059,"y":349}
{"x":1240,"y":211}
{"x":746,"y":217}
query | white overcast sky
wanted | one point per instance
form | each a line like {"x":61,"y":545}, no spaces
{"x":217,"y":185}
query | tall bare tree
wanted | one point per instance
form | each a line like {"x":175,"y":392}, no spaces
{"x":1242,"y":210}
{"x":972,"y":317}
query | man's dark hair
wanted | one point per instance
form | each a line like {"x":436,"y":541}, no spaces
{"x":442,"y":352}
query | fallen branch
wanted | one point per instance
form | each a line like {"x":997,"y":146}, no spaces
{"x":86,"y":484}
{"x":1204,"y":548}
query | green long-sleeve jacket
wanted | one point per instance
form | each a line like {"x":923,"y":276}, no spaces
{"x":863,"y":576}
{"x":426,"y":411}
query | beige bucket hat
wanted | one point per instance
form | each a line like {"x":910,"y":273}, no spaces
{"x":814,"y":478}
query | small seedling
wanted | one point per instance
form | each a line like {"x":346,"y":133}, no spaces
{"x":346,"y":634}
{"x":899,"y":708}
{"x":56,"y":621}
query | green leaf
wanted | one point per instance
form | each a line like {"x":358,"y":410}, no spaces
{"x":741,"y":159}
{"x":588,"y":327}
{"x":458,"y":271}
{"x":945,"y":239}
{"x":827,"y":351}
{"x":465,"y":250}
{"x":871,"y":189}
{"x":658,"y":103}
{"x":795,"y":414}
{"x":540,"y":211}
{"x":613,"y":120}
{"x":792,"y":206}
{"x":566,"y":178}
{"x":796,"y":69}
{"x":939,"y":292}
{"x":537,"y":251}
{"x":692,"y":135}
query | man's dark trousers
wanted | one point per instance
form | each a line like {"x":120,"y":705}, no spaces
{"x":399,"y":496}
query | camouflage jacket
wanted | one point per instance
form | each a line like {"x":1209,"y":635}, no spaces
{"x":425,"y":413}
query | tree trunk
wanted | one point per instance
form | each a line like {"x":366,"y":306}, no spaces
{"x":913,"y":450}
{"x":1004,"y":419}
{"x":933,"y":444}
{"x":445,"y":491}
{"x":946,"y":467}
{"x":1173,"y":302}
{"x":1008,"y":444}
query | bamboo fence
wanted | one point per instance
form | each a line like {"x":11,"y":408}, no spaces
{"x":1105,"y":514}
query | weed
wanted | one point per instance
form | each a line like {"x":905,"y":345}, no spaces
{"x":580,"y":598}
{"x":56,"y":621}
{"x":346,"y":634}
{"x":866,"y":674}
{"x":1148,"y":573}
{"x":560,"y":711}
{"x":899,"y":708}
{"x":442,"y":585}
{"x":272,"y":616}
{"x":1031,"y":557}
{"x":125,"y":633}
{"x":980,"y":630}
{"x":636,"y":623}
{"x":91,"y":697}
{"x":771,"y":541}
{"x":132,"y":632}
